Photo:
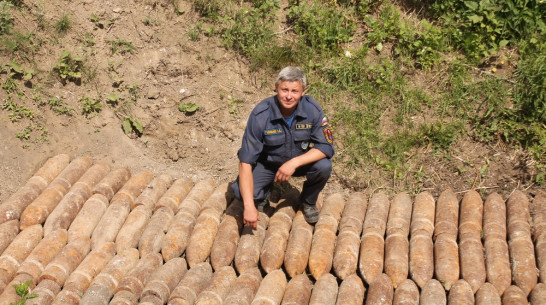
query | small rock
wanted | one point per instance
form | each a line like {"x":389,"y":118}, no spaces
{"x":153,"y":94}
{"x":173,"y":155}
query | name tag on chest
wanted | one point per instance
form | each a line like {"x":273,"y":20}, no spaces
{"x":274,"y":131}
{"x":304,"y":126}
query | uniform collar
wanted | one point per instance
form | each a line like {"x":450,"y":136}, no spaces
{"x":300,"y":112}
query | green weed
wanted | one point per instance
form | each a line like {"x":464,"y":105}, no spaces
{"x":112,"y":99}
{"x":441,"y":134}
{"x":69,"y":67}
{"x":40,"y":16}
{"x":10,"y":86}
{"x":36,"y":133}
{"x":322,"y":27}
{"x":130,"y":124}
{"x":134,"y":91}
{"x":63,"y":25}
{"x":96,"y":21}
{"x":18,"y":71}
{"x":21,"y":45}
{"x":99,"y":23}
{"x":250,"y":29}
{"x":90,"y":106}
{"x":59,"y":106}
{"x":88,"y":40}
{"x":22,"y":290}
{"x":195,"y":31}
{"x":482,"y":28}
{"x":188,"y":108}
{"x":149,"y":21}
{"x":17,"y":112}
{"x":209,"y":9}
{"x":6,"y":19}
{"x":234,"y":105}
{"x":120,"y":46}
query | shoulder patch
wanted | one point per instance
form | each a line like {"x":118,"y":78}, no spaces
{"x":324,"y":122}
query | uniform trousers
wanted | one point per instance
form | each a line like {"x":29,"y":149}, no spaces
{"x":316,"y":173}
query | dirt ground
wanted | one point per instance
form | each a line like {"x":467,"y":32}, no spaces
{"x":170,"y":68}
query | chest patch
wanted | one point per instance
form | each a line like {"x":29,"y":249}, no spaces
{"x":269,"y":132}
{"x":304,"y":126}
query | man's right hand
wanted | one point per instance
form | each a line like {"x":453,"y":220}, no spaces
{"x":251,"y":216}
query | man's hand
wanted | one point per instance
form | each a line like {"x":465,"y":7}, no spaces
{"x":286,"y":171}
{"x":251,"y":217}
{"x":289,"y":167}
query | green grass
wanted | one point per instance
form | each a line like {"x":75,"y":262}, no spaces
{"x":63,"y":24}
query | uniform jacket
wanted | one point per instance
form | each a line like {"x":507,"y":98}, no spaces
{"x":270,"y":140}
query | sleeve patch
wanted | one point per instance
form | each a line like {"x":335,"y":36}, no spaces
{"x":328,"y":134}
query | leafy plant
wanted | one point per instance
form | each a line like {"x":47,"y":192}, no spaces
{"x":130,"y":124}
{"x":90,"y":106}
{"x":22,"y":290}
{"x":188,"y":108}
{"x":112,"y":99}
{"x":441,"y":134}
{"x":481,"y":28}
{"x":69,"y":67}
{"x":17,"y":70}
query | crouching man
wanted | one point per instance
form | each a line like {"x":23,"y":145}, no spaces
{"x":286,"y":135}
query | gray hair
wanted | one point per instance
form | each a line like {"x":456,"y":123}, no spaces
{"x":292,"y":74}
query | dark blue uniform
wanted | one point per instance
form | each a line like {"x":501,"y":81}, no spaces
{"x":268,"y":142}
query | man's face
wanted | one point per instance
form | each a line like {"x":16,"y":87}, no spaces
{"x":289,"y":94}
